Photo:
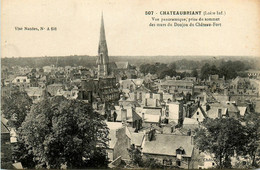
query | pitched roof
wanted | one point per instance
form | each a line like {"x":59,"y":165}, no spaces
{"x":242,"y":110}
{"x":151,"y":111}
{"x":151,"y":118}
{"x":230,"y":106}
{"x":137,"y":139}
{"x":202,"y":111}
{"x":165,"y":144}
{"x":4,"y":128}
{"x":213,"y":112}
{"x":142,"y":88}
{"x":190,"y":121}
{"x":113,"y":127}
{"x":177,"y":82}
{"x":130,"y":115}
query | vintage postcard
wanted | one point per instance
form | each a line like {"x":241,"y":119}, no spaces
{"x":130,"y":84}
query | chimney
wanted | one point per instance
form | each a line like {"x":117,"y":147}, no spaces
{"x":207,"y":107}
{"x":225,"y":91}
{"x":114,"y":116}
{"x":155,"y":102}
{"x":219,"y":113}
{"x":189,"y":132}
{"x":147,"y":136}
{"x":135,"y":96}
{"x":123,"y":115}
{"x":205,"y":97}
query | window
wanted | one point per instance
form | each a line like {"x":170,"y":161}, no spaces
{"x":213,"y":163}
{"x":198,"y":113}
{"x":167,"y":162}
{"x":178,"y":163}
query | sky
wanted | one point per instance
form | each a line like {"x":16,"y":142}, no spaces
{"x":127,"y":28}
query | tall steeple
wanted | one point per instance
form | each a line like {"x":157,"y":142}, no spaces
{"x":102,"y":60}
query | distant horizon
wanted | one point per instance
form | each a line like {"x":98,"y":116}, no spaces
{"x":134,"y":56}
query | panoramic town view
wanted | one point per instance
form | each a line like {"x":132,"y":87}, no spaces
{"x":130,"y":112}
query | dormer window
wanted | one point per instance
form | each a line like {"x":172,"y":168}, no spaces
{"x":180,"y":151}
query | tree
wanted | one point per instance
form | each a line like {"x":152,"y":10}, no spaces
{"x":194,"y":73}
{"x":58,"y":131}
{"x":135,"y":155}
{"x":204,"y":71}
{"x":253,"y":127}
{"x":152,"y":163}
{"x":222,"y":138}
{"x":15,"y":107}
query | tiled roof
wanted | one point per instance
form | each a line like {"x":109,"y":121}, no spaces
{"x":165,"y":144}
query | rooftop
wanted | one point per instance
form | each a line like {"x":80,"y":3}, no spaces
{"x":167,"y":144}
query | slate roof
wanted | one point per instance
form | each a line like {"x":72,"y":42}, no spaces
{"x":230,"y":106}
{"x":130,"y":115}
{"x":213,"y":112}
{"x":4,"y":128}
{"x":151,"y":118}
{"x":137,"y":139}
{"x":140,"y":110}
{"x":190,"y":121}
{"x":202,"y":111}
{"x":166,"y":144}
{"x":113,"y":126}
{"x":177,"y":82}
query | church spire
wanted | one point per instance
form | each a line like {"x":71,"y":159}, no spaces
{"x":102,"y":31}
{"x":103,"y":60}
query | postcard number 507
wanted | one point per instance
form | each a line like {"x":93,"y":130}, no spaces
{"x":148,"y":12}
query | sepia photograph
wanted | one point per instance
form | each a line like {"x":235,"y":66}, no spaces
{"x":132,"y":84}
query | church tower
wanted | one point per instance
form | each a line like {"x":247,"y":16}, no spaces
{"x":102,"y":60}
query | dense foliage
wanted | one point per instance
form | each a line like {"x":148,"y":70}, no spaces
{"x":224,"y":138}
{"x":253,"y":148}
{"x":15,"y":106}
{"x":228,"y":69}
{"x":60,"y":132}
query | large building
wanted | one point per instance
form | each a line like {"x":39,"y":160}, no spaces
{"x":103,"y":88}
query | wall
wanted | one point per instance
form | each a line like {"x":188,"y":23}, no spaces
{"x":185,"y":162}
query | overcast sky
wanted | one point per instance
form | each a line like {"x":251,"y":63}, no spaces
{"x":127,"y":28}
